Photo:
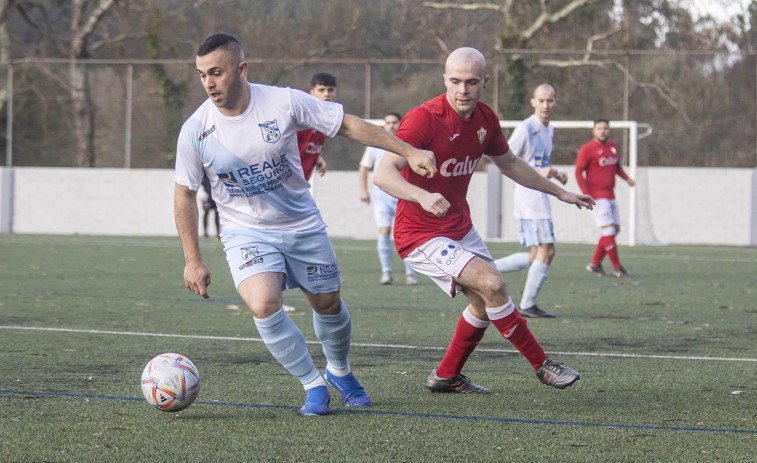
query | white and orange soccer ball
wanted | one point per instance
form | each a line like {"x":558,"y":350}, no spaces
{"x":170,"y":382}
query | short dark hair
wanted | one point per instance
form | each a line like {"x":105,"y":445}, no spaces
{"x":223,"y":42}
{"x":597,"y":121}
{"x":323,"y":78}
{"x":392,"y":113}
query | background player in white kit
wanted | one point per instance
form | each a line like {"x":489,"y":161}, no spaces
{"x":532,"y":141}
{"x":384,"y":206}
{"x":244,"y":138}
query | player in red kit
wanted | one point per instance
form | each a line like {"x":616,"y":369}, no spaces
{"x":433,"y":231}
{"x":310,"y":142}
{"x":597,"y":165}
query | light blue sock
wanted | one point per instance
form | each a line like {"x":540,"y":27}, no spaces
{"x":384,"y":248}
{"x":513,"y":262}
{"x":287,"y":344}
{"x":536,"y":276}
{"x":334,"y":332}
{"x":408,"y":270}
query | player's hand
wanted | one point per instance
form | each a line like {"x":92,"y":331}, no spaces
{"x":365,"y":197}
{"x":561,"y":177}
{"x":581,"y":201}
{"x":422,"y":162}
{"x":434,"y":203}
{"x":631,"y":182}
{"x":320,"y":163}
{"x":197,"y":278}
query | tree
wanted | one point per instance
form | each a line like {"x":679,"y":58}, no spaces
{"x":85,"y":16}
{"x":172,"y":93}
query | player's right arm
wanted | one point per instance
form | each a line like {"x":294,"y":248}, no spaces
{"x":196,"y":273}
{"x":582,"y":163}
{"x":387,"y":176}
{"x":363,"y":173}
{"x":421,"y":161}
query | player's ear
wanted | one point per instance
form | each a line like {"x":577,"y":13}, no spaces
{"x":486,"y":81}
{"x":243,"y":69}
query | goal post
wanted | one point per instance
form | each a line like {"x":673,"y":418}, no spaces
{"x":633,"y":155}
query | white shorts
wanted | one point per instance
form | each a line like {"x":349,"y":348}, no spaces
{"x":384,"y":208}
{"x":306,"y":258}
{"x":443,"y":259}
{"x":534,"y":232}
{"x":606,"y":212}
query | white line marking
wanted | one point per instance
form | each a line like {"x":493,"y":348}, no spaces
{"x":384,"y":346}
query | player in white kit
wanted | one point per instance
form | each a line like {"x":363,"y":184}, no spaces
{"x":384,"y":206}
{"x":244,"y":138}
{"x":532,"y":141}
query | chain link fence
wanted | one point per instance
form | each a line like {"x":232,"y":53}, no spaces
{"x":701,"y":105}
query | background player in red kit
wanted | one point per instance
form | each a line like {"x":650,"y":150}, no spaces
{"x":433,"y":231}
{"x":598,"y":159}
{"x":310,"y":142}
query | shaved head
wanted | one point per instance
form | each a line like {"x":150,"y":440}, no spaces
{"x":544,"y":101}
{"x":545,"y":88}
{"x":465,"y":78}
{"x":467,"y":57}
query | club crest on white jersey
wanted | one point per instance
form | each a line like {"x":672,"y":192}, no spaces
{"x":271,"y":132}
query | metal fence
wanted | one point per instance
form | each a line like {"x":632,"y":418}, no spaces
{"x":701,"y":104}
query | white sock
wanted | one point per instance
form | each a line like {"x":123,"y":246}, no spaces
{"x":319,"y":381}
{"x":339,"y":372}
{"x":536,"y":276}
{"x":513,"y":262}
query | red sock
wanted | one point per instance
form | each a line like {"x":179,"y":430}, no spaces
{"x":599,"y":253}
{"x":464,"y":341}
{"x":515,"y":329}
{"x":612,"y":250}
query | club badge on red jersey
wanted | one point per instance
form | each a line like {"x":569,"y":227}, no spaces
{"x":481,"y":135}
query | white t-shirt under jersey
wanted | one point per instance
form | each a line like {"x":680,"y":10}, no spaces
{"x":532,"y":141}
{"x":252,"y":159}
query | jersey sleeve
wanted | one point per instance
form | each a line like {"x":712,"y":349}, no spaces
{"x":310,"y":112}
{"x":582,"y":163}
{"x":189,"y":169}
{"x":498,"y":144}
{"x":367,"y":160}
{"x":518,"y":140}
{"x":416,"y":128}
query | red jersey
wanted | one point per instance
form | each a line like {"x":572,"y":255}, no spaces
{"x":458,"y":145}
{"x":601,"y":164}
{"x":310,"y":143}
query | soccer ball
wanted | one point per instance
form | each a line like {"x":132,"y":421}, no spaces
{"x":170,"y":382}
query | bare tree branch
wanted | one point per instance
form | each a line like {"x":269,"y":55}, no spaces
{"x":464,"y":6}
{"x":547,"y":17}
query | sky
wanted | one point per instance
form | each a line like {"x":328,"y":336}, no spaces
{"x":721,"y":10}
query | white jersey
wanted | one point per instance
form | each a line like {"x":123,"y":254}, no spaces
{"x":371,"y":157}
{"x":532,"y":141}
{"x":252,"y":159}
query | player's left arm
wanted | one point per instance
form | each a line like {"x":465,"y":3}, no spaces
{"x":622,"y":174}
{"x":518,"y":170}
{"x":422,"y":162}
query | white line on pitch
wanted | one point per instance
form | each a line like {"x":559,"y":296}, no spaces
{"x":358,"y":344}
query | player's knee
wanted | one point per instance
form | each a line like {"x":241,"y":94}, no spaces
{"x":492,"y":285}
{"x":325,"y":303}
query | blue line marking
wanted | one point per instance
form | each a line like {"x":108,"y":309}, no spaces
{"x":415,"y":415}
